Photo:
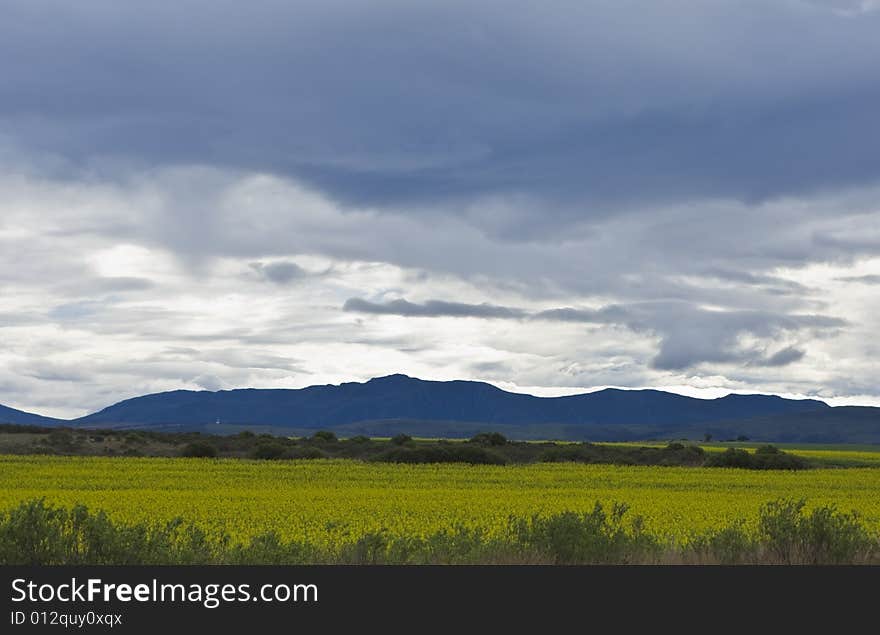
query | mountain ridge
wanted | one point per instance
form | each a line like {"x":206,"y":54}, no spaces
{"x":13,"y":415}
{"x":402,"y":397}
{"x":398,"y":403}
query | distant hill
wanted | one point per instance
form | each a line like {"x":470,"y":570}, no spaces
{"x":401,"y":397}
{"x":844,"y":424}
{"x":399,"y":404}
{"x":11,"y":415}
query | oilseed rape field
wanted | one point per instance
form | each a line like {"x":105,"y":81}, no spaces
{"x":325,"y":502}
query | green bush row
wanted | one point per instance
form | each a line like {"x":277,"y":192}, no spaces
{"x":37,"y":533}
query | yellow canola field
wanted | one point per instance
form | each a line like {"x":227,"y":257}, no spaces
{"x":324,"y":501}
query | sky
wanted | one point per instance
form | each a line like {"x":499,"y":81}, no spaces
{"x":553,"y":197}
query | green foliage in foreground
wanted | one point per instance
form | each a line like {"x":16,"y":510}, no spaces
{"x":36,"y":533}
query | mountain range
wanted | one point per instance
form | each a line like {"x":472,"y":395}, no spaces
{"x":399,"y":404}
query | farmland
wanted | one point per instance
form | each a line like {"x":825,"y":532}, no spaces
{"x":328,"y":502}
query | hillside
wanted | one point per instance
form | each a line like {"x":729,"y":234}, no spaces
{"x":398,"y":397}
{"x":397,"y":404}
{"x":11,"y":415}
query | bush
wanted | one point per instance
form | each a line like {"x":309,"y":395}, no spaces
{"x":489,"y":438}
{"x":306,"y":453}
{"x":781,"y":461}
{"x":728,"y":545}
{"x":587,"y":538}
{"x":360,"y":439}
{"x":452,"y":453}
{"x":135,"y":437}
{"x":268,"y":451}
{"x":680,"y":454}
{"x":731,"y":457}
{"x":770,"y":458}
{"x":768,"y":449}
{"x":38,"y":534}
{"x":562,"y":453}
{"x":324,"y":436}
{"x":61,"y":438}
{"x":824,"y":536}
{"x":199,"y":450}
{"x":401,"y":439}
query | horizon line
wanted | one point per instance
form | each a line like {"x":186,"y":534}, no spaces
{"x":549,"y":392}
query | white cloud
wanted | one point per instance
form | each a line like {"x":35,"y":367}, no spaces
{"x":146,"y":281}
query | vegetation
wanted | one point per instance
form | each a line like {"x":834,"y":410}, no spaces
{"x":488,"y":448}
{"x":199,"y":450}
{"x":331,"y":502}
{"x":36,"y":533}
{"x":767,"y":457}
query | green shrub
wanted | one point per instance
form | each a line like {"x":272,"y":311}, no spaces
{"x":371,"y":548}
{"x":324,"y":436}
{"x":135,"y":437}
{"x":268,"y":451}
{"x":729,"y":545}
{"x":452,"y":453}
{"x":489,"y":438}
{"x":824,"y":536}
{"x":587,"y":538}
{"x":779,"y":461}
{"x":38,"y":534}
{"x":306,"y":453}
{"x":731,"y":457}
{"x":770,"y":458}
{"x":401,"y":439}
{"x":199,"y":449}
{"x":767,"y":449}
{"x":61,"y":439}
{"x":561,"y":453}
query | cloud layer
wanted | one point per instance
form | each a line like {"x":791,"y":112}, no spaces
{"x":554,"y":197}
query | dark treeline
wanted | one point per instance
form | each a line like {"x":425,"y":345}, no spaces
{"x":486,"y":448}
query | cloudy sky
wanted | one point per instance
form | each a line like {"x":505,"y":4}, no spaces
{"x":550,"y":196}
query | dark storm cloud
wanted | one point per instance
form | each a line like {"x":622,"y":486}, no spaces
{"x":432,"y":308}
{"x":279,"y":272}
{"x":605,"y":315}
{"x":866,"y":279}
{"x":692,"y":335}
{"x":786,"y":356}
{"x":756,"y":279}
{"x":591,"y":105}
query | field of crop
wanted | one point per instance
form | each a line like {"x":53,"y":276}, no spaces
{"x":325,"y":501}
